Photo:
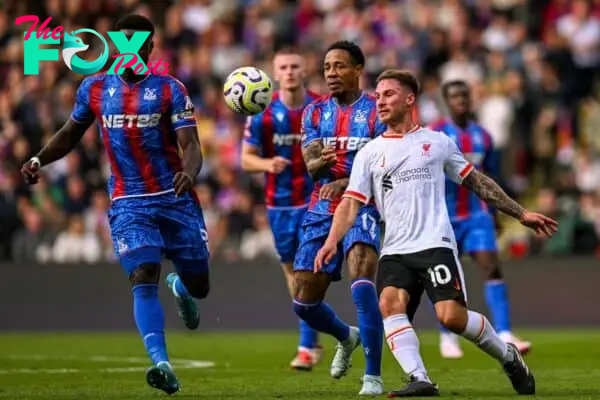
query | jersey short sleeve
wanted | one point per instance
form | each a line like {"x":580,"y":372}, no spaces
{"x":253,"y":131}
{"x":310,"y":121}
{"x":82,"y":111}
{"x":182,"y":108}
{"x":456,"y":166}
{"x":359,"y":187}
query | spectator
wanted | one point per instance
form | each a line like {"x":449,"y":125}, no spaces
{"x":75,"y":245}
{"x":533,"y":66}
{"x":259,"y":240}
{"x":33,"y":242}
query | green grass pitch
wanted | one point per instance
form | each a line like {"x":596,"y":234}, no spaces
{"x":82,"y":366}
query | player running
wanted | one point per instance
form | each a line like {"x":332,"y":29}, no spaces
{"x":472,"y":220}
{"x":154,"y":210}
{"x":272,"y":144}
{"x":334,"y":128}
{"x":404,"y":171}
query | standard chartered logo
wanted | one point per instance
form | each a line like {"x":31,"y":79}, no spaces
{"x":413,"y":174}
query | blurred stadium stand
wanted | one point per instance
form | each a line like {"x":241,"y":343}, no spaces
{"x":533,"y":66}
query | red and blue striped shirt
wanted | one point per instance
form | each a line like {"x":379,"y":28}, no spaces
{"x":476,"y":144}
{"x":137,"y":122}
{"x":347,"y":129}
{"x":276,"y":132}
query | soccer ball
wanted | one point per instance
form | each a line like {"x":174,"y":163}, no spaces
{"x":248,"y":90}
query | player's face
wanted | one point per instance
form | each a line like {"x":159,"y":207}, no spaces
{"x":340,"y":74}
{"x":290,"y":71}
{"x":394,"y":101}
{"x":147,"y":47}
{"x":458,"y":99}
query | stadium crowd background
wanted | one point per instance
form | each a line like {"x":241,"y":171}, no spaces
{"x":532,"y":64}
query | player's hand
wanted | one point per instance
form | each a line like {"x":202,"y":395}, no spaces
{"x":182,"y":182}
{"x":324,"y":255}
{"x":330,"y":191}
{"x":277,"y":164}
{"x":328,"y":155}
{"x":31,"y":171}
{"x":542,"y":225}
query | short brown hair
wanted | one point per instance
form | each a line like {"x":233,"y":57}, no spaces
{"x":404,"y":77}
{"x":288,"y":50}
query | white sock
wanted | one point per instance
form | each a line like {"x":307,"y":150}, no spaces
{"x":404,"y":344}
{"x":480,"y":331}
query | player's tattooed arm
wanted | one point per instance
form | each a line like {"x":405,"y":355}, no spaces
{"x":490,"y":192}
{"x":333,"y":189}
{"x":65,"y":140}
{"x":318,"y":159}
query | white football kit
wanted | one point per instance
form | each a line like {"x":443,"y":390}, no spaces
{"x":406,"y":178}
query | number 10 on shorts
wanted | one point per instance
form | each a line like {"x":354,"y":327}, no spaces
{"x":439,"y":275}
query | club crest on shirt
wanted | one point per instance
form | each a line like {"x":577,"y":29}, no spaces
{"x":426,"y":148}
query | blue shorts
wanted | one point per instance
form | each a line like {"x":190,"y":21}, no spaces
{"x":475,"y":234}
{"x":144,"y":229}
{"x":285,"y":225}
{"x":314,"y":232}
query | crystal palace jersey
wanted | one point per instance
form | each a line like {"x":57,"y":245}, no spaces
{"x":406,"y":176}
{"x":137,"y":123}
{"x":276,"y":132}
{"x":347,"y":129}
{"x":476,"y":144}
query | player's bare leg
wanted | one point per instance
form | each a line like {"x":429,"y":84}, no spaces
{"x":475,"y":327}
{"x":307,"y":356}
{"x":362,"y":267}
{"x":309,"y":292}
{"x":404,"y":343}
{"x":149,"y":318}
{"x":496,"y":295}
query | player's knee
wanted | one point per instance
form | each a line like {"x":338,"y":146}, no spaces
{"x":393,"y":301}
{"x":148,"y":273}
{"x":452,"y":315}
{"x":308,"y":287}
{"x":362,"y":262}
{"x":198,"y":288}
{"x":492,"y":272}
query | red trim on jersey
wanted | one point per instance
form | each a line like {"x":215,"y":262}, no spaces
{"x":462,"y":195}
{"x":134,"y":139}
{"x":269,"y":149}
{"x":314,"y":197}
{"x":298,"y":167}
{"x":356,"y":196}
{"x":96,"y":106}
{"x":401,"y":135}
{"x":342,"y":129}
{"x":169,"y":140}
{"x":372,"y":121}
{"x":466,"y":170}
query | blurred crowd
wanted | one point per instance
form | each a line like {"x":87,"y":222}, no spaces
{"x":533,"y":66}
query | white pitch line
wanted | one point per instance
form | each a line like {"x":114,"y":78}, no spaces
{"x":177,"y":364}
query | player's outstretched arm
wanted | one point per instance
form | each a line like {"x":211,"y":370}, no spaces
{"x":318,"y":159}
{"x":65,"y":140}
{"x":253,"y":162}
{"x":343,"y":219}
{"x":490,"y":192}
